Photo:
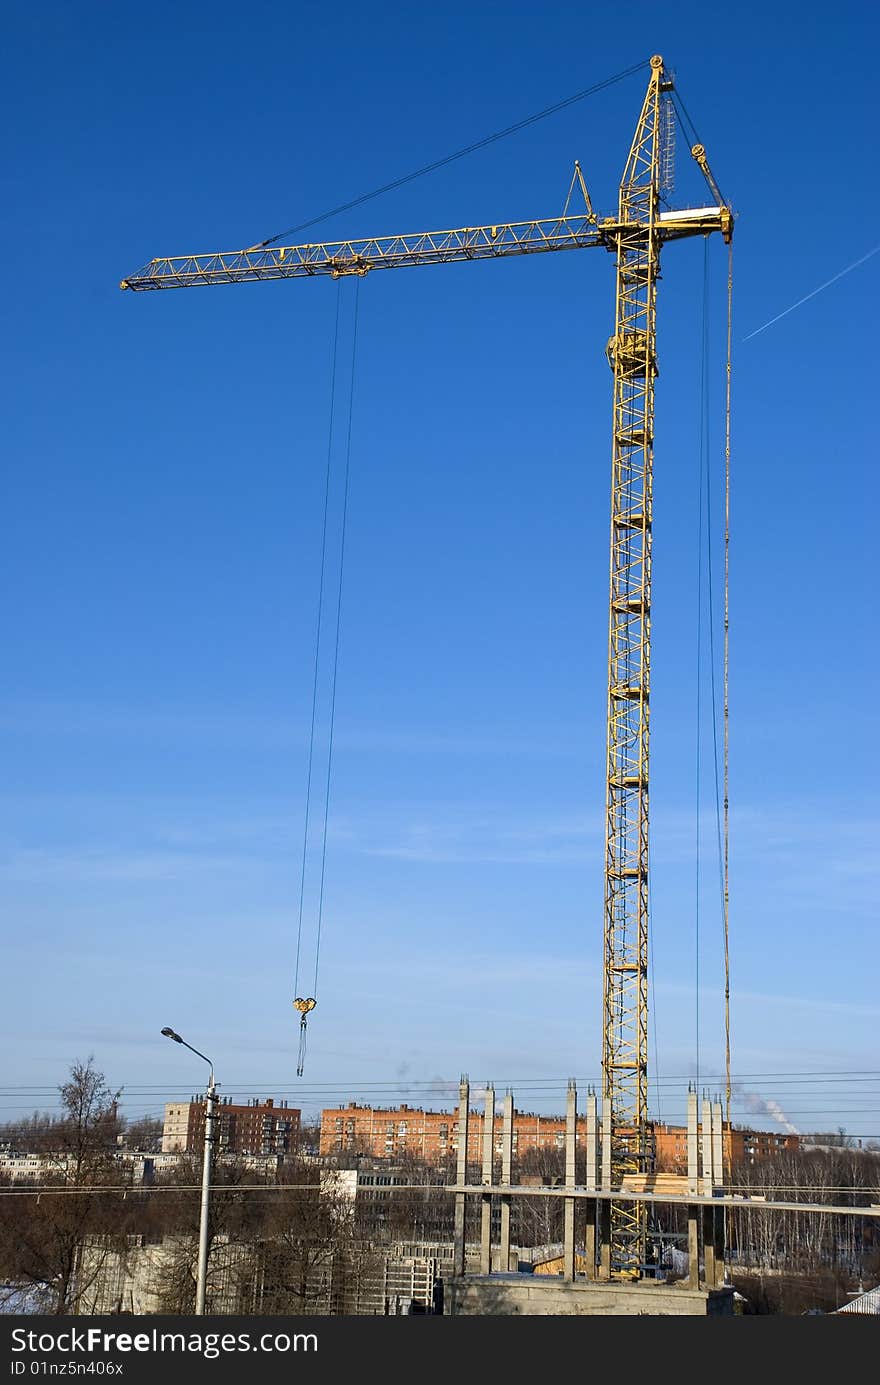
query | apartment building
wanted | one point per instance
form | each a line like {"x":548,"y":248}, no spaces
{"x":393,"y":1132}
{"x":740,"y":1146}
{"x":257,"y":1127}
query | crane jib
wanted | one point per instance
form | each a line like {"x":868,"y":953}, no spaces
{"x":339,"y":258}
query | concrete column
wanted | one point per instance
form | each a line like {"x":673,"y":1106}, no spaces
{"x":707,"y":1148}
{"x":717,"y":1146}
{"x":708,"y":1184}
{"x":461,"y":1174}
{"x":568,"y":1252}
{"x":592,"y":1140}
{"x":693,"y":1150}
{"x":486,"y":1199}
{"x":709,"y":1246}
{"x":592,"y":1161}
{"x":605,"y":1203}
{"x":693,"y":1246}
{"x":606,"y":1142}
{"x":720,"y":1243}
{"x":506,"y":1170}
{"x":693,"y":1153}
{"x":719,"y":1219}
{"x":710,"y":1240}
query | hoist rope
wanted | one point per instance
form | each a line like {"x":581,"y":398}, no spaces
{"x":653,"y":1010}
{"x":458,"y":154}
{"x":726,"y":867}
{"x":338,"y":626}
{"x":721,"y":776}
{"x":318,"y":625}
{"x":716,"y":769}
{"x":702,"y":430}
{"x":305,"y":1004}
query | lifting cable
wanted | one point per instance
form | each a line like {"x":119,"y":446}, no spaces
{"x":722,"y":820}
{"x":652,"y":1013}
{"x":318,"y":627}
{"x":338,"y":625}
{"x":716,"y":769}
{"x":721,"y":762}
{"x":305,"y":1004}
{"x":726,"y":737}
{"x":702,"y":471}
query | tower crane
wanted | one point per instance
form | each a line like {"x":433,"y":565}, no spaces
{"x":635,"y":236}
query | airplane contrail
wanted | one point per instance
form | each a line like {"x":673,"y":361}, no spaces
{"x":855,"y":264}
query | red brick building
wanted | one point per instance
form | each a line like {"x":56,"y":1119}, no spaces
{"x":259,"y":1127}
{"x":432,"y":1135}
{"x":390,"y":1132}
{"x":670,"y":1143}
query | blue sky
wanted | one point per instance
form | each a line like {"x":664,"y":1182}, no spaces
{"x":164,"y":472}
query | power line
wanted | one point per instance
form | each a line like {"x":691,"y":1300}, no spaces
{"x":801,"y":1075}
{"x":756,"y":1202}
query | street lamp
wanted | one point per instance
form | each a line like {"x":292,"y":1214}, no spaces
{"x":211,"y":1096}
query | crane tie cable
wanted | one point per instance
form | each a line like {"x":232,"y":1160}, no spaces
{"x":458,"y":154}
{"x":688,"y":128}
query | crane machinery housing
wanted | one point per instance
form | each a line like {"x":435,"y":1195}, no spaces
{"x":636,"y":236}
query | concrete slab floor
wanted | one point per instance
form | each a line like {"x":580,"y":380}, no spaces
{"x":509,"y":1294}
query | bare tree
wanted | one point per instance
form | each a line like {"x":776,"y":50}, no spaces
{"x":305,"y":1226}
{"x":539,"y":1219}
{"x":144,"y":1134}
{"x":86,"y":1135}
{"x":42,"y":1234}
{"x":809,"y":1243}
{"x":233,"y":1218}
{"x":32,"y":1134}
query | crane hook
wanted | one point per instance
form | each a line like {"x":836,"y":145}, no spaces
{"x":304,"y":1006}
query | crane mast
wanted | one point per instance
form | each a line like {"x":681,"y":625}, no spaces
{"x":635,"y":236}
{"x":633,"y":359}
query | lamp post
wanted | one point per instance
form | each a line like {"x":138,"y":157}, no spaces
{"x":211,"y":1096}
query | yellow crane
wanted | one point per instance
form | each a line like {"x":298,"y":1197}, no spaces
{"x":635,"y":236}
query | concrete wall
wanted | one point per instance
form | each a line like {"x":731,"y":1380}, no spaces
{"x":508,"y":1294}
